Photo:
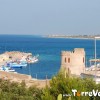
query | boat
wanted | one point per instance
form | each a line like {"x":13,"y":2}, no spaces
{"x":98,"y":65}
{"x":33,"y":59}
{"x":7,"y":69}
{"x":93,"y":67}
{"x":17,"y":65}
{"x":23,"y":61}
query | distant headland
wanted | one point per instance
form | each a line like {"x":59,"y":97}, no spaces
{"x":73,"y":36}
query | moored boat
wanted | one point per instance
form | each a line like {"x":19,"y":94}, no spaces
{"x":7,"y":69}
{"x":17,"y":65}
{"x":33,"y":59}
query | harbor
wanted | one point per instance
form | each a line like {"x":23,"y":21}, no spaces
{"x":15,"y":59}
{"x":49,"y":55}
{"x":9,"y":61}
{"x":40,"y":66}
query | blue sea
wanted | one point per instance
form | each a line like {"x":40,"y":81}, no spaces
{"x":49,"y":50}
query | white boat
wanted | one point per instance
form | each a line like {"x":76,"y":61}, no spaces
{"x":33,"y":59}
{"x":98,"y":65}
{"x":23,"y":61}
{"x":7,"y":69}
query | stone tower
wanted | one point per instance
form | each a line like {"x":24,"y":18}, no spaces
{"x":73,"y":61}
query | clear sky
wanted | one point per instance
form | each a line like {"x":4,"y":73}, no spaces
{"x":49,"y":17}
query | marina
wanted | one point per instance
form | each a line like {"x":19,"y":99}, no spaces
{"x":43,"y":64}
{"x":16,"y":59}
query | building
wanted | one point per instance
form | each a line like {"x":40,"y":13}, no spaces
{"x":73,"y":61}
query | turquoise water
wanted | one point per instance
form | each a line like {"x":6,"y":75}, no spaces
{"x":49,"y":50}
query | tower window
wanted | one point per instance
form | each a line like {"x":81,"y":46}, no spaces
{"x":65,"y":60}
{"x":68,"y":60}
{"x":83,"y":59}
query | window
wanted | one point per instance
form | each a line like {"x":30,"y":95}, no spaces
{"x":83,"y":59}
{"x":65,"y":60}
{"x":68,"y":60}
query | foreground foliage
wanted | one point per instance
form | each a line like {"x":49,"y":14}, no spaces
{"x":58,"y":85}
{"x":64,"y":85}
{"x":15,"y":91}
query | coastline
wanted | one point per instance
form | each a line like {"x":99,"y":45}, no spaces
{"x":72,"y":37}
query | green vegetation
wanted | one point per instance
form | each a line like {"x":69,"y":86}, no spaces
{"x":58,"y":85}
{"x":16,"y":91}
